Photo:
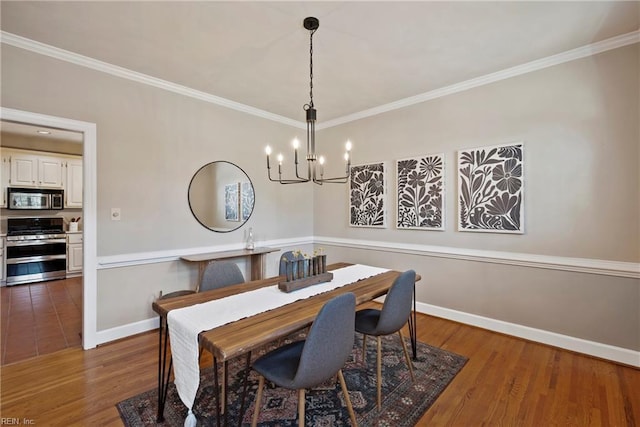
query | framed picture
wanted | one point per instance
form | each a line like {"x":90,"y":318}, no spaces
{"x":232,"y":202}
{"x":491,"y":189}
{"x":367,"y":196}
{"x":420,"y":193}
{"x":247,"y":199}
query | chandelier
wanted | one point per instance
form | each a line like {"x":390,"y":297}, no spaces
{"x":315,"y":163}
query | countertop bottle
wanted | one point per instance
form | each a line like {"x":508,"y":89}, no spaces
{"x":250,"y":245}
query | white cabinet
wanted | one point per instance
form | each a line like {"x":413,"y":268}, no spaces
{"x":74,"y":254}
{"x":73,"y":183}
{"x":36,"y":169}
{"x":31,"y":170}
{"x":4,"y":178}
{"x":3,"y":278}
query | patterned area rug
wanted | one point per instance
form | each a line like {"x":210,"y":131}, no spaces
{"x":403,"y":401}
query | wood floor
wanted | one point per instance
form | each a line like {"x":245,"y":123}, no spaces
{"x":507,"y":382}
{"x":40,"y":318}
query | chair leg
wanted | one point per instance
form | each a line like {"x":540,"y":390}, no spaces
{"x":406,"y":356}
{"x":301,"y":410}
{"x":379,"y":372}
{"x":258,"y":402}
{"x":364,"y":347}
{"x":345,"y":392}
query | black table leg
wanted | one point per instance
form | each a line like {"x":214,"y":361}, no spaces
{"x":163,"y":372}
{"x":226,"y":392}
{"x":217,"y":392}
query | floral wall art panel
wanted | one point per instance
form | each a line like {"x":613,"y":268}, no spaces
{"x":490,"y":185}
{"x":232,"y":202}
{"x":420,"y":186}
{"x":247,"y":200}
{"x":367,"y":196}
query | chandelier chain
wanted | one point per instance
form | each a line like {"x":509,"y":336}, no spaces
{"x":311,"y":68}
{"x":315,"y":164}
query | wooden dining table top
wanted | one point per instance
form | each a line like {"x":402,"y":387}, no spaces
{"x":244,"y":335}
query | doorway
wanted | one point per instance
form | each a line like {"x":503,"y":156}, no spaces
{"x":89,"y":277}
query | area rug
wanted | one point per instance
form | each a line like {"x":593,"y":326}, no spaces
{"x":404,"y":402}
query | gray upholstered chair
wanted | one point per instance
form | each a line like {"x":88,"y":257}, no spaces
{"x":308,"y":363}
{"x":218,"y":274}
{"x":393,"y":316}
{"x":288,"y":256}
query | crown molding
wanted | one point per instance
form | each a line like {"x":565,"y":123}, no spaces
{"x":88,"y":62}
{"x":94,"y":64}
{"x":561,"y":58}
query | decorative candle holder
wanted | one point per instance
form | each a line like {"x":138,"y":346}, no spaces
{"x":302,"y":273}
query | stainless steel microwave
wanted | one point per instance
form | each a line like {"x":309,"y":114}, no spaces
{"x":35,"y":199}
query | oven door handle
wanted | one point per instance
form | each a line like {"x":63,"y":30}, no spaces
{"x":13,"y":243}
{"x":37,"y":258}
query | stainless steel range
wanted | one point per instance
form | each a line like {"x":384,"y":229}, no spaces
{"x":36,"y":249}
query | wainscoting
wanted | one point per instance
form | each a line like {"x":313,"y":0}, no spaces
{"x":40,"y":318}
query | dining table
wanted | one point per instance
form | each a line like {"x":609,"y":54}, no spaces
{"x":242,"y":336}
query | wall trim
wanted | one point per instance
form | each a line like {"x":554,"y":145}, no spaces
{"x":114,"y":70}
{"x":581,"y":265}
{"x":592,"y":348}
{"x":127,"y":330}
{"x":550,"y":262}
{"x":142,"y":258}
{"x":577,"y":265}
{"x":88,"y":62}
{"x":529,"y":67}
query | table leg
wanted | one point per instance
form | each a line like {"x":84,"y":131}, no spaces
{"x":257,"y":266}
{"x":244,"y":388}
{"x":163,"y":372}
{"x":226,"y":392}
{"x":413,"y":324}
{"x":215,"y":387}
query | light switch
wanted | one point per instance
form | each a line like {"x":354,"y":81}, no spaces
{"x":115,"y":214}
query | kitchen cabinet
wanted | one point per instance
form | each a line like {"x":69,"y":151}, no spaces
{"x":31,"y":170}
{"x":3,"y":278}
{"x":4,"y":178}
{"x":74,"y":254}
{"x":73,"y":183}
{"x":36,"y":169}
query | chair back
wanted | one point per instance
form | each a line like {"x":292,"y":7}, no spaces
{"x":287,"y":256}
{"x":329,"y":342}
{"x":219,"y":274}
{"x":397,"y":304}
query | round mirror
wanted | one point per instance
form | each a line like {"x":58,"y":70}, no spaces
{"x":221,"y":196}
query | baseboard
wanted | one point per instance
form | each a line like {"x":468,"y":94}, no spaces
{"x":603,"y":351}
{"x":127,"y":330}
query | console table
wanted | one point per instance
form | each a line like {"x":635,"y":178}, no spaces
{"x":257,"y":258}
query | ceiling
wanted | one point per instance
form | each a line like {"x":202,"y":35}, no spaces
{"x":39,"y":132}
{"x":366,"y":54}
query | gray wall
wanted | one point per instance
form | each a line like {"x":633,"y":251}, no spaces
{"x":579,"y":123}
{"x":150,"y":143}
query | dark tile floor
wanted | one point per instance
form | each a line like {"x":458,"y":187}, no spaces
{"x":40,"y":318}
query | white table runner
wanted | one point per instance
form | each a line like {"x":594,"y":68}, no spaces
{"x":186,"y":323}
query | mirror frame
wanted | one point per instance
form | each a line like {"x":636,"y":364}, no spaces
{"x":240,"y":222}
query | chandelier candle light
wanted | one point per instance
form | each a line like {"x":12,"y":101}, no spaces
{"x":314,"y":173}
